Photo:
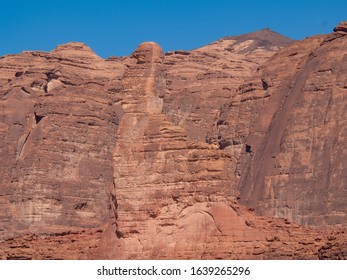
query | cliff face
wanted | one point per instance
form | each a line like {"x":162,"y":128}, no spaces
{"x":57,"y":139}
{"x":148,"y":156}
{"x":300,"y":134}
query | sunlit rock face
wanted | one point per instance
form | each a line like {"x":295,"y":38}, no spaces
{"x":223,"y":152}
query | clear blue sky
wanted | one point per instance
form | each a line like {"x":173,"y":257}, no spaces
{"x":117,"y":27}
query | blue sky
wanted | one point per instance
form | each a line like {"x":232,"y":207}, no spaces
{"x":117,"y":27}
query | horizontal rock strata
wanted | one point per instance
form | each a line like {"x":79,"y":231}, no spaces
{"x":234,"y":150}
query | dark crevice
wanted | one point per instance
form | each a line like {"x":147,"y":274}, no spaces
{"x":248,"y":149}
{"x":81,"y":206}
{"x":114,"y":201}
{"x":208,"y":139}
{"x":114,"y":205}
{"x":182,"y":52}
{"x":293,"y":54}
{"x":38,"y":118}
{"x":25,"y":90}
{"x":23,"y":145}
{"x":175,"y":197}
{"x":119,"y":234}
{"x":265,"y":85}
{"x":224,"y":143}
{"x":222,"y":122}
{"x":68,"y":83}
{"x":153,"y":215}
{"x":18,"y":258}
{"x":52,"y":76}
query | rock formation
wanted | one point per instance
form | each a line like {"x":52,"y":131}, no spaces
{"x":301,"y":134}
{"x":234,"y":150}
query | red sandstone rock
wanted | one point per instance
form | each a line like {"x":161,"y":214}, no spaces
{"x":300,"y":136}
{"x":146,"y":156}
{"x":342,"y":27}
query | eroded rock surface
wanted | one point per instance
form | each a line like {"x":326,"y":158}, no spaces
{"x":147,"y":156}
{"x":57,"y":142}
{"x":300,"y":134}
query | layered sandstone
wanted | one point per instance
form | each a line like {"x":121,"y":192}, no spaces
{"x":300,"y":134}
{"x":147,"y":156}
{"x":55,"y":108}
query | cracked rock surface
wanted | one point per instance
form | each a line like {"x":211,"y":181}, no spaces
{"x":235,"y":150}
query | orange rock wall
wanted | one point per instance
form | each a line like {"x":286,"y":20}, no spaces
{"x":154,"y":155}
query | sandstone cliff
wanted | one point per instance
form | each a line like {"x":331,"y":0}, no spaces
{"x":155,"y":155}
{"x":300,"y":134}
